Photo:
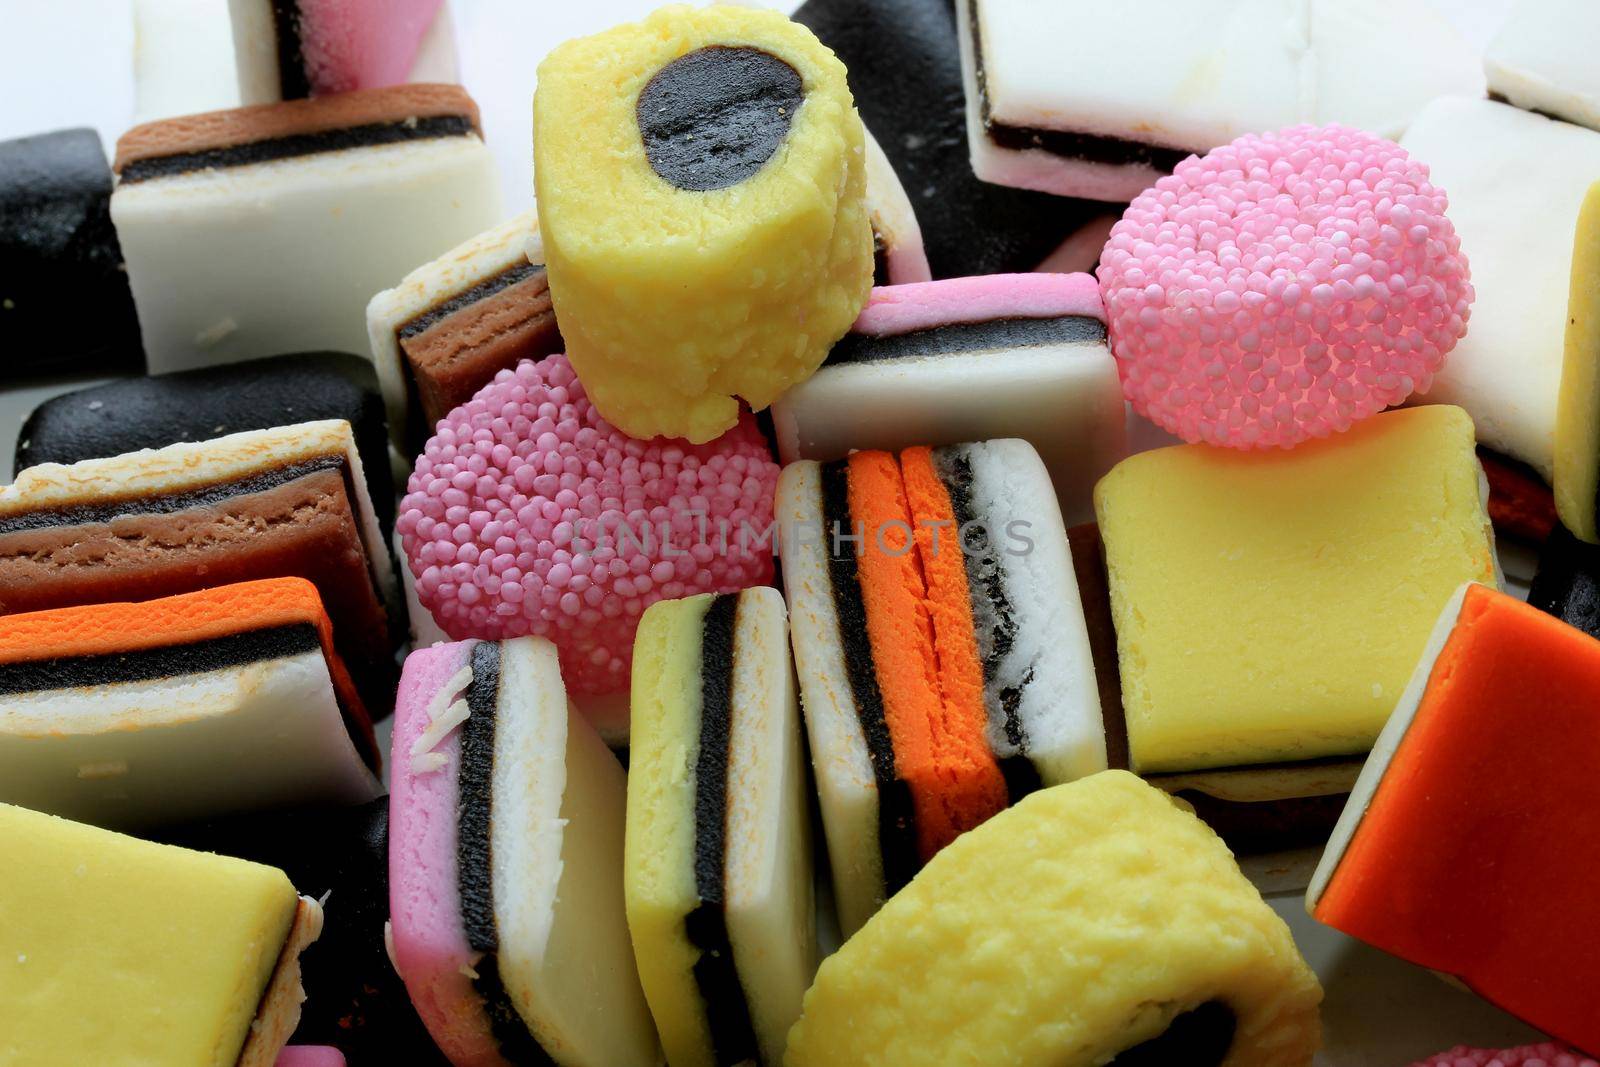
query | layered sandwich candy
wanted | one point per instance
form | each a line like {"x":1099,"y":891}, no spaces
{"x":198,"y":405}
{"x":227,"y":699}
{"x":340,"y":856}
{"x":965,"y":360}
{"x":453,"y":323}
{"x":905,"y":68}
{"x":1516,"y":223}
{"x":726,"y":149}
{"x":289,"y":49}
{"x":1540,"y":61}
{"x":940,"y":643}
{"x":1176,"y":78}
{"x":59,"y":254}
{"x":1577,"y":441}
{"x":1079,"y":888}
{"x":505,"y":864}
{"x":718,"y":853}
{"x":285,"y":502}
{"x":1445,"y":860}
{"x":123,"y":951}
{"x":230,"y":217}
{"x":1243,"y":589}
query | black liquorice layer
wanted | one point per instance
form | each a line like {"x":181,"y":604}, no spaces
{"x":170,"y":503}
{"x":716,"y":973}
{"x":475,"y":858}
{"x":166,"y":661}
{"x":299,"y":145}
{"x":713,"y":118}
{"x":986,"y":583}
{"x":517,"y":272}
{"x":293,"y":84}
{"x":1200,"y":1037}
{"x":897,"y":828}
{"x":962,"y":337}
{"x":1088,"y":147}
{"x":880,"y":257}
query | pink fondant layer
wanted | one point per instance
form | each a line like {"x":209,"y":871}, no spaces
{"x":362,"y":44}
{"x":310,"y":1056}
{"x":897,"y":309}
{"x":430,"y":946}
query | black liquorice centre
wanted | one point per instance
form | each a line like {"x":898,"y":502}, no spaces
{"x":475,"y":858}
{"x":1197,"y":1038}
{"x":714,"y":117}
{"x":716,"y":973}
{"x":897,"y":834}
{"x":986,"y":584}
{"x":962,"y":337}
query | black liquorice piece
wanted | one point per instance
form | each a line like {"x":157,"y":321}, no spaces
{"x":65,"y":306}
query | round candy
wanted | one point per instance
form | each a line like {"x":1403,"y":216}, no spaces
{"x":1529,"y":1056}
{"x":528,"y":513}
{"x":1282,"y":287}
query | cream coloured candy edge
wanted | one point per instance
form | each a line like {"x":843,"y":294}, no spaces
{"x":1577,"y":469}
{"x":1383,"y":750}
{"x":470,"y":263}
{"x":846,"y":787}
{"x":767,"y":872}
{"x":1519,"y":66}
{"x":279,"y":1013}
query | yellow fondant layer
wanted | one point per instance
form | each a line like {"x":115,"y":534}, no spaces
{"x":1063,"y":931}
{"x":1270,"y":606}
{"x":124,"y":953}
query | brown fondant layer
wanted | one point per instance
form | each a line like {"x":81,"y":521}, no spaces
{"x":452,"y":355}
{"x":1521,"y":505}
{"x":237,"y":127}
{"x":306,"y":528}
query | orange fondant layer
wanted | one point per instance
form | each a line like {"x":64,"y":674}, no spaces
{"x":108,"y":629}
{"x":915,"y":636}
{"x":1479,"y":853}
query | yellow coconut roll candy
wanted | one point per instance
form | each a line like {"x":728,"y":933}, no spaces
{"x":1094,"y":923}
{"x":1577,"y":476}
{"x":701,"y":183}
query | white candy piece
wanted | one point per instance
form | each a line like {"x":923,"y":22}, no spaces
{"x":1182,"y":76}
{"x":233,"y":262}
{"x":182,"y":58}
{"x":965,"y":360}
{"x":895,"y":231}
{"x":1543,"y":59}
{"x":1516,"y":182}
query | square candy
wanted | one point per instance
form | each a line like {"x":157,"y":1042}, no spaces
{"x":1269,"y":607}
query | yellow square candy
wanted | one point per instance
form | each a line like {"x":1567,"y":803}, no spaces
{"x":1270,"y":606}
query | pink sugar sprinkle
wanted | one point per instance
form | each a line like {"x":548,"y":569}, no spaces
{"x":527,"y":513}
{"x":1282,"y":287}
{"x":1529,"y":1056}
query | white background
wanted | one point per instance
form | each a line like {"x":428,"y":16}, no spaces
{"x":71,"y":62}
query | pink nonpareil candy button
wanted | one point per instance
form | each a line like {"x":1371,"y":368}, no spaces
{"x":527,"y":513}
{"x":1528,"y":1056}
{"x":1283,"y":286}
